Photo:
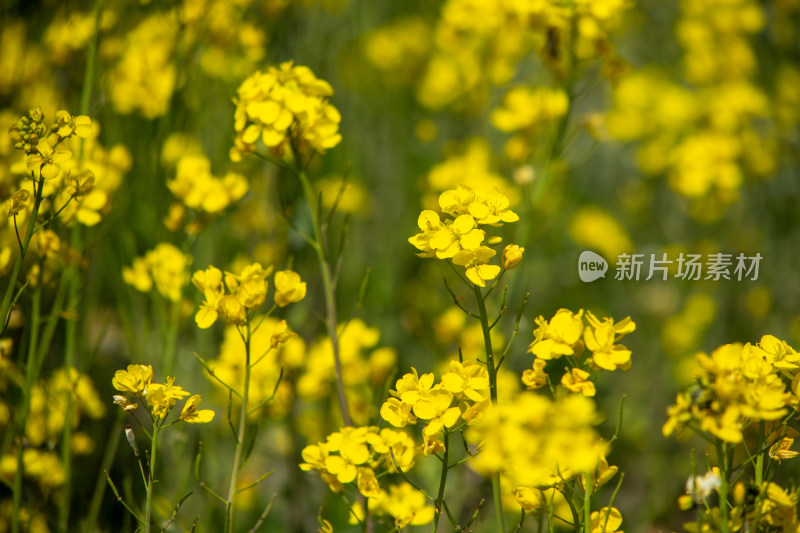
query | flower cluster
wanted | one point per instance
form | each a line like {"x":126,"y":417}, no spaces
{"x":234,"y":296}
{"x":361,"y":455}
{"x":165,"y":266}
{"x":476,"y":45}
{"x":144,"y":76}
{"x":198,"y":189}
{"x":42,"y":145}
{"x":566,"y":334}
{"x":137,"y":385}
{"x":735,"y":385}
{"x":285,"y":107}
{"x":417,"y":398}
{"x":536,"y":442}
{"x":460,"y":238}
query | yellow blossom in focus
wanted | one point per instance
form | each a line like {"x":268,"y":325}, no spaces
{"x":557,"y":337}
{"x":162,"y":396}
{"x":284,"y":104}
{"x":536,"y":377}
{"x":512,"y":256}
{"x":135,"y":380}
{"x":575,"y":380}
{"x":192,"y":415}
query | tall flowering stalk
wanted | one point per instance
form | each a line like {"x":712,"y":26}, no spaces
{"x":739,"y":390}
{"x":287,"y":109}
{"x":157,"y":400}
{"x":235,"y":298}
{"x":458,"y":239}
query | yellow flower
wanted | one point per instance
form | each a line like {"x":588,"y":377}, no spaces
{"x":557,"y":337}
{"x":397,"y":413}
{"x":476,"y":262}
{"x":600,"y":337}
{"x":575,"y":380}
{"x":134,"y":380}
{"x":467,"y":380}
{"x":407,"y":506}
{"x":250,"y":286}
{"x":368,"y":483}
{"x":18,"y":202}
{"x":288,"y":288}
{"x":162,"y":396}
{"x":606,"y":520}
{"x":192,"y":415}
{"x":512,"y":255}
{"x":536,"y":377}
{"x":66,"y":125}
{"x":529,"y":499}
{"x":781,"y":450}
{"x":48,"y":153}
{"x":492,"y":208}
{"x":280,"y":334}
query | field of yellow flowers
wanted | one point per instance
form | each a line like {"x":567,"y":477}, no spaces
{"x":349,"y":265}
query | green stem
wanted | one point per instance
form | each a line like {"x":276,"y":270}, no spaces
{"x":171,"y":336}
{"x":329,"y":288}
{"x":237,"y":458}
{"x":12,"y":282}
{"x":153,"y":452}
{"x":30,"y":379}
{"x":99,"y":486}
{"x":587,"y":503}
{"x":722,"y":454}
{"x":492,"y":369}
{"x":442,"y":481}
{"x":759,"y":477}
{"x":72,"y":289}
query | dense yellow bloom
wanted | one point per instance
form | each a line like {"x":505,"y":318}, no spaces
{"x":460,"y":239}
{"x":735,"y":384}
{"x":524,"y":107}
{"x":285,"y":106}
{"x":231,"y":296}
{"x":197,"y":188}
{"x":354,"y":453}
{"x":406,"y":505}
{"x":534,"y":441}
{"x":165,"y":265}
{"x":162,"y":396}
{"x":144,"y":76}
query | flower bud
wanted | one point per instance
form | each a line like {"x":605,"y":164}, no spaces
{"x":36,"y":114}
{"x":512,"y":255}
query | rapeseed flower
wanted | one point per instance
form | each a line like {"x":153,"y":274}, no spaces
{"x":460,"y":239}
{"x":285,"y":107}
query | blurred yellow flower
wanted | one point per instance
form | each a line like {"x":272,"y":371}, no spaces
{"x":289,"y":288}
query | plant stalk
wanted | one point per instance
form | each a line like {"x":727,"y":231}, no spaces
{"x":492,"y":369}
